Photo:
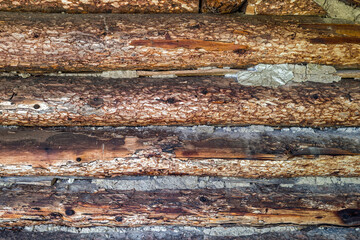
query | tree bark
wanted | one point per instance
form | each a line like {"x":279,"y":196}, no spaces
{"x":287,"y":7}
{"x":101,"y":6}
{"x":74,"y":43}
{"x":201,"y":151}
{"x":258,"y":203}
{"x":69,"y":101}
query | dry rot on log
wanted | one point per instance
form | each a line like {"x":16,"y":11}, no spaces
{"x":90,"y":203}
{"x":203,"y":151}
{"x":72,"y":101}
{"x":74,"y":43}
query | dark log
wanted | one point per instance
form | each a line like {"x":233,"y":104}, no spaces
{"x":74,"y":43}
{"x":102,"y":6}
{"x":221,"y":6}
{"x":85,"y":204}
{"x":284,"y":7}
{"x":69,"y":101}
{"x":239,"y":152}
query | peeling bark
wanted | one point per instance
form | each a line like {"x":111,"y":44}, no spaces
{"x":287,"y":7}
{"x":67,"y":101}
{"x":258,"y":204}
{"x":73,"y":43}
{"x":101,"y":6}
{"x":177,"y":151}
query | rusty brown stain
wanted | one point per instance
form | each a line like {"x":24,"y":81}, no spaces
{"x":334,"y":40}
{"x":189,"y":44}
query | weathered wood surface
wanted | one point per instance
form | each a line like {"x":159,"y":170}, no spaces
{"x":67,"y":101}
{"x":102,"y":6}
{"x":60,"y":42}
{"x":85,"y":203}
{"x":284,"y":7}
{"x":221,"y":6}
{"x":201,"y":151}
{"x":180,"y":233}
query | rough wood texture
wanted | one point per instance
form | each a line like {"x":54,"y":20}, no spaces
{"x":240,"y":152}
{"x":284,"y":7}
{"x":68,"y":101}
{"x":83,"y":204}
{"x":221,"y":6}
{"x":102,"y":6}
{"x":180,"y":233}
{"x":60,"y":42}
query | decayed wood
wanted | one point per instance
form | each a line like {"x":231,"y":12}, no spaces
{"x":68,"y":101}
{"x":287,"y":7}
{"x":102,"y":6}
{"x":221,"y":6}
{"x":182,"y":151}
{"x":257,"y":204}
{"x":60,"y":42}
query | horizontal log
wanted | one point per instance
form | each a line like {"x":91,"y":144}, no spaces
{"x":69,"y":101}
{"x":240,"y":152}
{"x":102,"y":6}
{"x":181,"y":232}
{"x":74,"y":43}
{"x":82,"y":203}
{"x":287,"y":7}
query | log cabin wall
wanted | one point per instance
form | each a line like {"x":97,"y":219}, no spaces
{"x":179,"y":119}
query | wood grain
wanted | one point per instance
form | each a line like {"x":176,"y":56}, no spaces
{"x":41,"y":43}
{"x":237,"y":152}
{"x":257,"y":204}
{"x":101,"y":6}
{"x":72,"y":101}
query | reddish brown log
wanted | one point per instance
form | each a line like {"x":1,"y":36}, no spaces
{"x":227,"y":152}
{"x":102,"y":6}
{"x":60,"y":42}
{"x":261,"y":204}
{"x":69,"y":101}
{"x":284,"y":7}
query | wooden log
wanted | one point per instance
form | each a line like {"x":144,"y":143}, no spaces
{"x":221,"y":6}
{"x":74,"y":43}
{"x":84,"y":204}
{"x":69,"y":101}
{"x":239,"y":152}
{"x":101,"y":6}
{"x":287,"y":7}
